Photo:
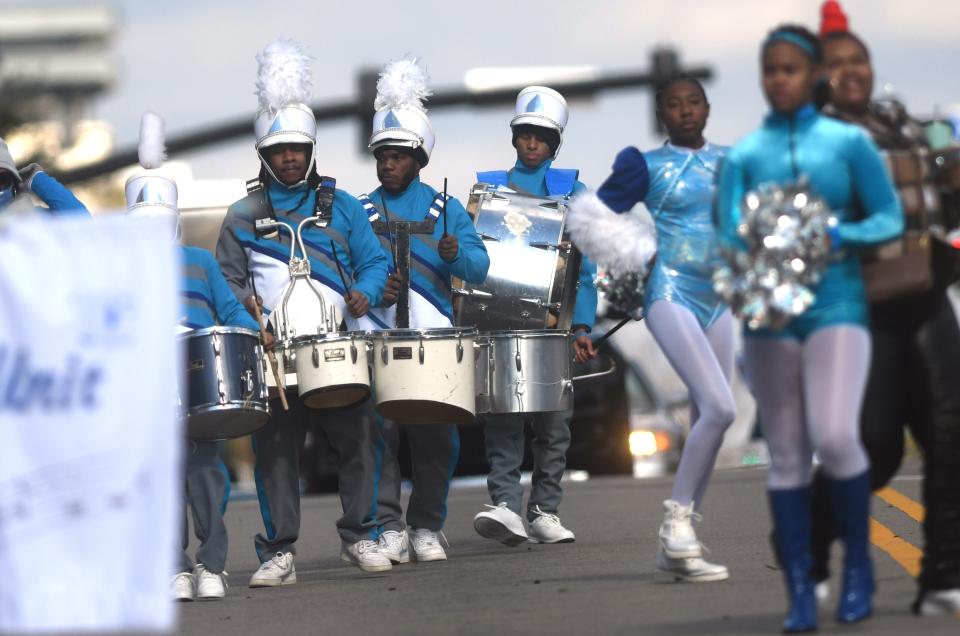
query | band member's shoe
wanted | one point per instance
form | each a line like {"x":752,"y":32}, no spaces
{"x":209,"y":585}
{"x":279,"y":570}
{"x":500,"y":524}
{"x":677,"y":538}
{"x":366,"y":555}
{"x":426,"y":545}
{"x":395,"y":545}
{"x":688,"y":570}
{"x":182,"y":587}
{"x":938,"y":603}
{"x":546,"y":528}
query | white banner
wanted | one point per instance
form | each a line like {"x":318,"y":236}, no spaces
{"x":90,"y":445}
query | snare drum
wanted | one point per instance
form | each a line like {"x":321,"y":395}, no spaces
{"x":226,"y":390}
{"x":332,"y":370}
{"x":425,"y":375}
{"x":524,"y":372}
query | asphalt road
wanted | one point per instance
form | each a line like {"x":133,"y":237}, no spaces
{"x":602,"y":584}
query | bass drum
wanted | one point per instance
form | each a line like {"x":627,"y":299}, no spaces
{"x":425,"y":376}
{"x":534,"y":268}
{"x":524,"y":372}
{"x":225,"y":387}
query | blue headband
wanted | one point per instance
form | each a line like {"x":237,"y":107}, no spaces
{"x":792,"y":38}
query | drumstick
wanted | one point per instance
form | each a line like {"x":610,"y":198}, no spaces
{"x":444,"y":206}
{"x":343,"y":279}
{"x":263,"y":341}
{"x":599,"y":341}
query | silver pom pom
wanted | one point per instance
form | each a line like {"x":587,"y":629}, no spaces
{"x":786,"y":233}
{"x":624,"y":292}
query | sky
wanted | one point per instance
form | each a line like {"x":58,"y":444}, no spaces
{"x":192,"y":61}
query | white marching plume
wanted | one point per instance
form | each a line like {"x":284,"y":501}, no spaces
{"x":402,"y":83}
{"x":283,"y":75}
{"x":620,"y":243}
{"x":152,"y":150}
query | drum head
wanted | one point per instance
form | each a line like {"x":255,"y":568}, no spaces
{"x":424,"y":412}
{"x":220,"y":424}
{"x":335,"y":397}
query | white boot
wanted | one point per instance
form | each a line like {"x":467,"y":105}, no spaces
{"x":395,"y":545}
{"x":677,"y":538}
{"x":689,"y":570}
{"x":500,"y":524}
{"x":939,"y":603}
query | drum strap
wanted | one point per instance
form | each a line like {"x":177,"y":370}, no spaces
{"x":373,"y":213}
{"x":323,"y":208}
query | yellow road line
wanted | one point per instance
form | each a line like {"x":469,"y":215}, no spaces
{"x":903,"y":552}
{"x":902,"y":503}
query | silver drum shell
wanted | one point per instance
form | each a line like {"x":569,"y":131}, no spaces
{"x":226,"y":392}
{"x":524,"y":371}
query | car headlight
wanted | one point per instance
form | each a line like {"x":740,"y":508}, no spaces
{"x":645,"y":443}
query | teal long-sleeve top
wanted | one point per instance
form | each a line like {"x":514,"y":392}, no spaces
{"x":534,"y":181}
{"x":205,"y":297}
{"x":429,"y":273}
{"x":845,"y":169}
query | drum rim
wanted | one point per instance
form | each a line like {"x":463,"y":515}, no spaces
{"x":219,"y":329}
{"x":441,"y":333}
{"x":251,"y":405}
{"x":328,"y":337}
{"x":526,"y":333}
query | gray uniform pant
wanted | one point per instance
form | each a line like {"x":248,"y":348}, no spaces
{"x":207,"y":489}
{"x":504,"y":438}
{"x":277,"y":449}
{"x":434,"y":451}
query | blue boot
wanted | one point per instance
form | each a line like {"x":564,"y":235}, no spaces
{"x":850,"y":499}
{"x":791,"y":524}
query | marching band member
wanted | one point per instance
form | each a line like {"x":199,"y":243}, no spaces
{"x":17,"y":185}
{"x":537,"y":126}
{"x":809,"y":378}
{"x":289,"y":189}
{"x":912,"y":320}
{"x":689,"y":322}
{"x":402,"y":143}
{"x":207,"y":300}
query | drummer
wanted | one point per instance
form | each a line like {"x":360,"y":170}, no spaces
{"x":206,"y":300}
{"x":288,"y":189}
{"x":537,"y":127}
{"x":402,"y":142}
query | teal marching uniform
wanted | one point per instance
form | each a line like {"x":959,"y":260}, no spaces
{"x":206,"y":300}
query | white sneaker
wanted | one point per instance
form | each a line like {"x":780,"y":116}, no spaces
{"x":940,"y":602}
{"x":182,"y":587}
{"x":426,"y":545}
{"x":277,"y":571}
{"x":546,"y":528}
{"x":690,"y":570}
{"x":210,"y":585}
{"x":821,"y":591}
{"x":366,"y":555}
{"x":500,"y":524}
{"x":395,"y":545}
{"x":677,"y":537}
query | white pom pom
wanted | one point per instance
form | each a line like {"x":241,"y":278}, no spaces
{"x":402,"y":83}
{"x":152,"y":150}
{"x":283,"y":75}
{"x":621,"y":243}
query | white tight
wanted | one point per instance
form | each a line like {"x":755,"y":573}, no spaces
{"x":704,"y":361}
{"x":809,"y":396}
